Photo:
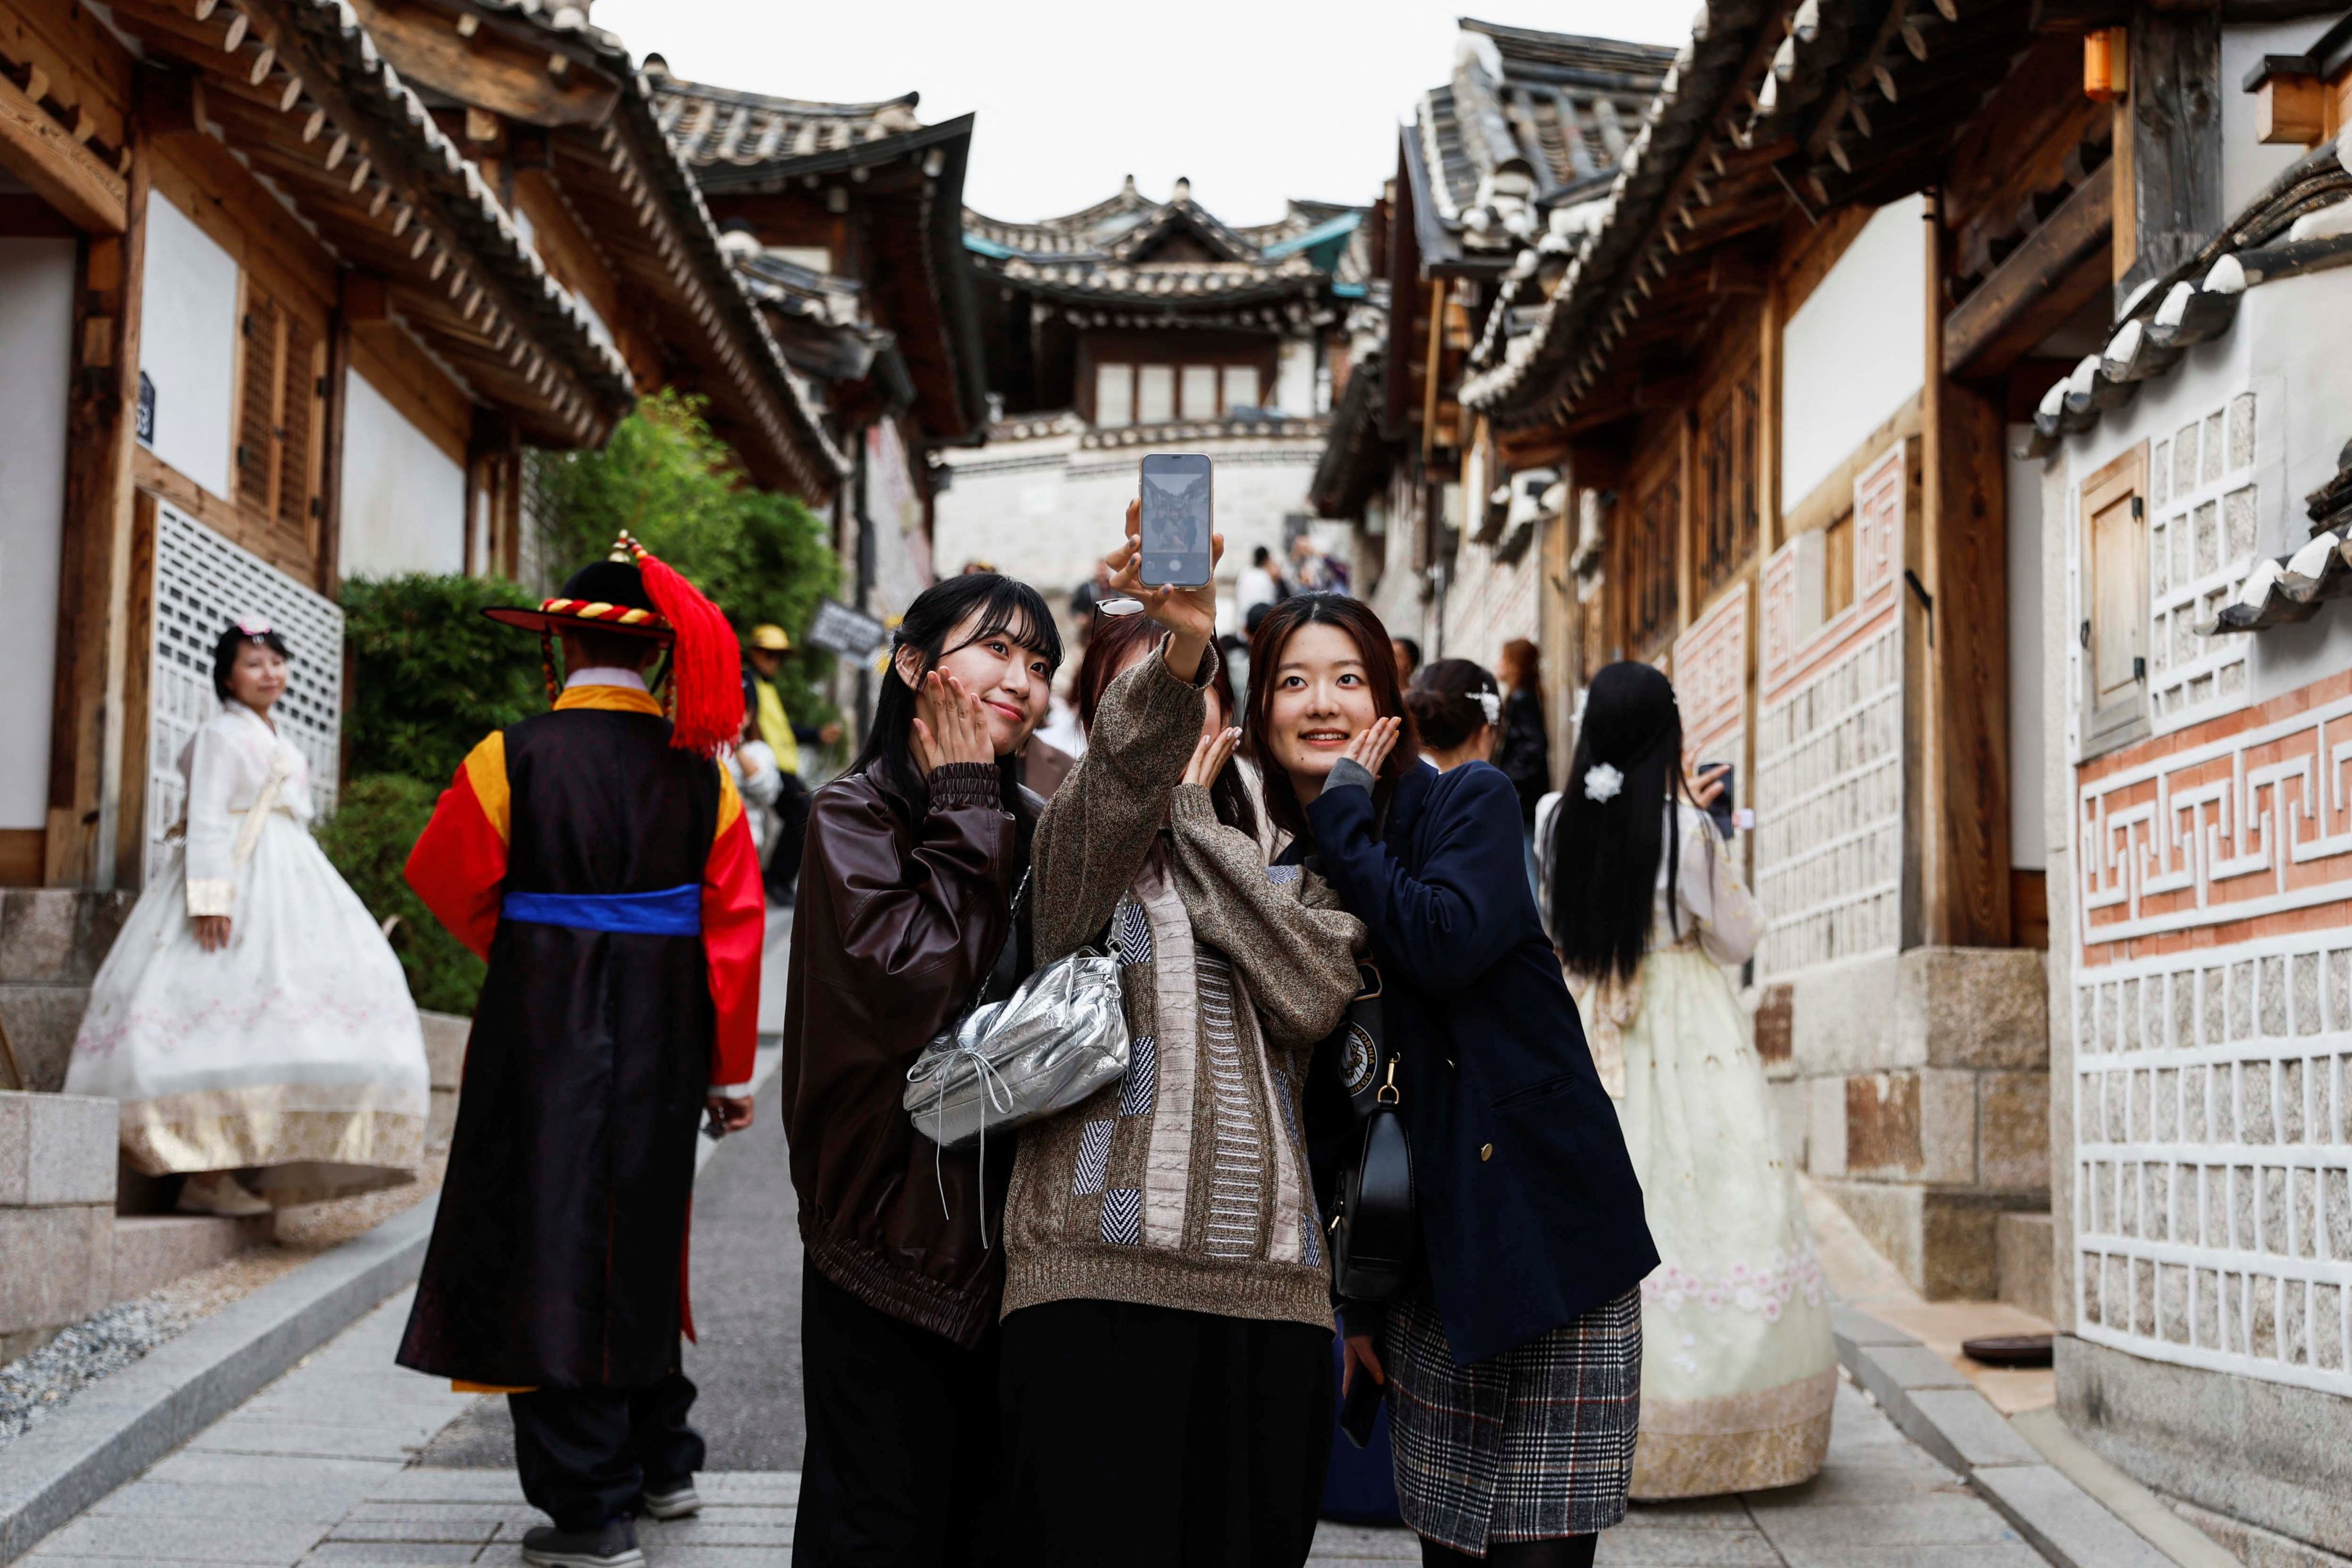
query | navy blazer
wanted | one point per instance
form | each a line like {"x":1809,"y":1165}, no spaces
{"x":1530,"y":1211}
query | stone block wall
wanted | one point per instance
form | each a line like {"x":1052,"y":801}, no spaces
{"x":445,"y":1055}
{"x":52,"y":941}
{"x":1921,"y":1082}
{"x":56,"y":1213}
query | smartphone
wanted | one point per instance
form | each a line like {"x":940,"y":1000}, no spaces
{"x":1178,"y":516}
{"x":1721,"y":809}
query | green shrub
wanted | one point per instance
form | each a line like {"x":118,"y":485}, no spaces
{"x":433,"y":674}
{"x":375,"y":824}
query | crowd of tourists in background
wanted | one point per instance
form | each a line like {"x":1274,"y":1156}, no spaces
{"x":1282,"y":1103}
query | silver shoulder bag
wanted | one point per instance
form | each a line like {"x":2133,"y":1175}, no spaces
{"x":1060,"y":1036}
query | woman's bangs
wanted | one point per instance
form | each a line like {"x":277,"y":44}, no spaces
{"x":1015,"y":612}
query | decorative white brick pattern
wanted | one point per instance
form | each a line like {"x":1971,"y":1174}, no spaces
{"x":202,"y":583}
{"x":1829,"y":749}
{"x":1711,"y":682}
{"x":2204,"y":511}
{"x":2213,"y":1153}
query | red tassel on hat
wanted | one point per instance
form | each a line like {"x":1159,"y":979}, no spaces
{"x":706,"y":668}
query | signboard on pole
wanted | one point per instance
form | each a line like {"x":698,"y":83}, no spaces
{"x":851,"y":633}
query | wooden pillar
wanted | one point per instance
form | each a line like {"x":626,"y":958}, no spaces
{"x":1964,"y":775}
{"x":331,"y":466}
{"x":94,"y":834}
{"x":1768,"y":420}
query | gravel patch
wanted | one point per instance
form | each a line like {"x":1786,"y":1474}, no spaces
{"x":39,"y":1384}
{"x":36,"y":1386}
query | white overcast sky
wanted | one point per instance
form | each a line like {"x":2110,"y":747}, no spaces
{"x":1254,"y":100}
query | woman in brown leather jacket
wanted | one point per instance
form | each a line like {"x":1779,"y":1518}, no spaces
{"x":904,"y":916}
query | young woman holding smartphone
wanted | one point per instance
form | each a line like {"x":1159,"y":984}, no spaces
{"x":1514,"y":1363}
{"x":1168,"y":1317}
{"x":904,"y":916}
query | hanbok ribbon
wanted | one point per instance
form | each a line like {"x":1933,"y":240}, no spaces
{"x":670,"y":911}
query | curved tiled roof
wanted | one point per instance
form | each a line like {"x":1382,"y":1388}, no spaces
{"x":1105,"y":252}
{"x":1528,"y":120}
{"x":717,"y":125}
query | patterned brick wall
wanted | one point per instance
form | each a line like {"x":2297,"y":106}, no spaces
{"x":2213,"y":1042}
{"x":1829,"y":748}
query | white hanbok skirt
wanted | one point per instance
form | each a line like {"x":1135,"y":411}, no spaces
{"x":293,"y":1054}
{"x":1739,"y":1370}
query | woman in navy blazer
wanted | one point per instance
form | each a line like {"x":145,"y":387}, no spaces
{"x":1514,"y":1367}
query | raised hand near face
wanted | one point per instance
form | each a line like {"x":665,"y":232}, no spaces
{"x":1210,"y":757}
{"x":1372,"y":745}
{"x":950,"y":726}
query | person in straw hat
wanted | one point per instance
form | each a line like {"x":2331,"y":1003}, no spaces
{"x":764,"y":651}
{"x":598,"y":856}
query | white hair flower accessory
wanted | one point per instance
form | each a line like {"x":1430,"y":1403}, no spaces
{"x":1491,"y":704}
{"x":1601,"y":783}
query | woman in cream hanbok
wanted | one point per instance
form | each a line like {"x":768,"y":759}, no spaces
{"x":251,"y":1019}
{"x":1738,"y":1372}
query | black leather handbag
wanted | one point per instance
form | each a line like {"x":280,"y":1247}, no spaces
{"x":1374,"y":1227}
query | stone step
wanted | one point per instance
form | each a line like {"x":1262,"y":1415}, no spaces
{"x":153,"y":1251}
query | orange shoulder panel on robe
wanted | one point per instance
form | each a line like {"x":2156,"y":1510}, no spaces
{"x":459,"y":863}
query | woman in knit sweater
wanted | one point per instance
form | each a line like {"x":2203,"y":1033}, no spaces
{"x":1168,"y":1325}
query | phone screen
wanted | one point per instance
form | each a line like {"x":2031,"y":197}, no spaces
{"x":1178,"y":516}
{"x":1721,"y":807}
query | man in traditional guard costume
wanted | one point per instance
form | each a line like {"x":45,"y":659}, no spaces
{"x":600,"y":859}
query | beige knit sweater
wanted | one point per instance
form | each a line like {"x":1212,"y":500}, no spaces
{"x":1185,"y":1185}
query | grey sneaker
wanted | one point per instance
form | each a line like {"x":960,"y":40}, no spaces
{"x":678,"y":1502}
{"x":613,"y":1546}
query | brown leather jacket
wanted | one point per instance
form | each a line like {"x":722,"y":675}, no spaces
{"x":902,"y":912}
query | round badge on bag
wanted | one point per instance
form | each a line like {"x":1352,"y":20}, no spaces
{"x":1359,"y":1060}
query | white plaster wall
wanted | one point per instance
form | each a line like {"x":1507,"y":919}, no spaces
{"x":187,"y":344}
{"x":404,"y":500}
{"x":1855,"y":349}
{"x":2028,"y":830}
{"x":1294,"y":378}
{"x":2247,"y":166}
{"x":1046,"y":512}
{"x":903,"y":559}
{"x":37,"y":289}
{"x":2286,"y":346}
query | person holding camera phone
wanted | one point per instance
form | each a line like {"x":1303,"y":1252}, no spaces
{"x":1167,"y":1307}
{"x":1513,"y":1356}
{"x":1739,"y":1371}
{"x":904,"y":915}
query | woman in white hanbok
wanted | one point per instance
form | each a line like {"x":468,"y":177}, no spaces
{"x":1739,"y":1372}
{"x":251,"y":1019}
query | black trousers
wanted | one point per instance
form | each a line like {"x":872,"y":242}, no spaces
{"x":900,"y":1466}
{"x":586,"y":1454}
{"x":781,"y":877}
{"x":1159,"y":1438}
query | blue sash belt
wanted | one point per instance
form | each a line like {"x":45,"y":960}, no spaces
{"x":672,"y":912}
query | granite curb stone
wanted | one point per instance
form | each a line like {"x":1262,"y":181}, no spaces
{"x":1934,"y":1405}
{"x":114,"y":1430}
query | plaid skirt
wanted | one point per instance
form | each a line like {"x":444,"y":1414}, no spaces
{"x":1533,"y":1445}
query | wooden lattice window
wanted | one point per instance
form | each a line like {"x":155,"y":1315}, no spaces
{"x":281,"y":420}
{"x":1728,"y":436}
{"x":1651,"y":553}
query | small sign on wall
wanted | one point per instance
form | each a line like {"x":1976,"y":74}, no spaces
{"x":146,"y":409}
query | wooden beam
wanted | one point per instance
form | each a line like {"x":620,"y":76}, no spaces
{"x":60,"y":169}
{"x":2039,"y":286}
{"x":1964,"y":770}
{"x":91,"y":842}
{"x":487,"y":70}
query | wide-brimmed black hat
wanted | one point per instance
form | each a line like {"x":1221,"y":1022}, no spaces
{"x":606,"y":596}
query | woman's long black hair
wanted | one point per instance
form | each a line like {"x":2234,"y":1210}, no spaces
{"x":1006,"y":607}
{"x":1604,"y":853}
